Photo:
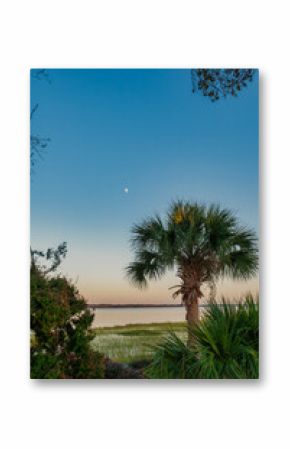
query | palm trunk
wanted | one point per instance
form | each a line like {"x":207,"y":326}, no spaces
{"x":192,"y":317}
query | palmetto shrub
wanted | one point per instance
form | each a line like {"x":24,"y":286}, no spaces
{"x":172,"y":359}
{"x":226,"y":346}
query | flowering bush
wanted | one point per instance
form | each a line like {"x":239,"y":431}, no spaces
{"x":61,"y":334}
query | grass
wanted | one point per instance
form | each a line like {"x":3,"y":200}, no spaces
{"x":133,"y":342}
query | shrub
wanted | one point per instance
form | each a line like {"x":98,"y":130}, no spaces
{"x":226,"y":346}
{"x":61,"y":335}
{"x":227,"y":342}
{"x":172,"y":359}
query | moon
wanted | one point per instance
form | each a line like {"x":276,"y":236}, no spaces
{"x":126,"y":190}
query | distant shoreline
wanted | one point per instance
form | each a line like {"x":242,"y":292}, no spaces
{"x":146,"y":306}
{"x":126,"y":306}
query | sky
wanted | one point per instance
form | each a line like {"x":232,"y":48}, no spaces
{"x":123,"y":145}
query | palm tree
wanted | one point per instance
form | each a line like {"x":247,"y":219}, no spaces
{"x":203,"y":244}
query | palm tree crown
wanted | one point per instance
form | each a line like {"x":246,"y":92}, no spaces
{"x":201,"y":243}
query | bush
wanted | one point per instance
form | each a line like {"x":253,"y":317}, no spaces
{"x":61,"y":335}
{"x":172,"y":359}
{"x":226,"y":346}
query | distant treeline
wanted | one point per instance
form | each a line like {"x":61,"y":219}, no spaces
{"x":124,"y":306}
{"x":136,"y":306}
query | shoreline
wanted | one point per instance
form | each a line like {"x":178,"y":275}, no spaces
{"x":130,"y":306}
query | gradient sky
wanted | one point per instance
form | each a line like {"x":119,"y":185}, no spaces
{"x":144,"y":130}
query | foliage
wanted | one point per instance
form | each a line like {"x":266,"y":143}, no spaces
{"x":40,"y":74}
{"x":172,"y":359}
{"x":60,"y":324}
{"x":220,"y":83}
{"x":226,"y":346}
{"x":202,"y":243}
{"x":227,"y":341}
{"x":38,"y":144}
{"x":52,"y":256}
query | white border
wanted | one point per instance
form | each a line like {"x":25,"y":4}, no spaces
{"x":144,"y":34}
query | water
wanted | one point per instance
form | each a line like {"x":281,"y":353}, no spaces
{"x":107,"y":317}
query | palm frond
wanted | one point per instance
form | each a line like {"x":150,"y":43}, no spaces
{"x":239,"y":259}
{"x":136,"y":274}
{"x":226,"y":346}
{"x":148,"y":234}
{"x":147,"y":266}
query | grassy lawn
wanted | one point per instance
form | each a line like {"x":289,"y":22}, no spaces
{"x":133,"y":342}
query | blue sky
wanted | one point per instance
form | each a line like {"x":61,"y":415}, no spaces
{"x":144,"y":130}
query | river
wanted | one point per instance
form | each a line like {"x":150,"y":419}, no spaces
{"x":106,"y":317}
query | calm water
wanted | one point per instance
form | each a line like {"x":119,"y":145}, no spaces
{"x":114,"y":317}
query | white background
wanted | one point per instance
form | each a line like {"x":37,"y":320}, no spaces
{"x":161,"y":414}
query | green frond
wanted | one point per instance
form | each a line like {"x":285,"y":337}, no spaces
{"x":148,"y":265}
{"x":185,"y":213}
{"x":220,"y":224}
{"x":240,"y":259}
{"x":136,"y":274}
{"x":193,"y":234}
{"x":148,"y":234}
{"x":226,"y":346}
{"x":151,"y":235}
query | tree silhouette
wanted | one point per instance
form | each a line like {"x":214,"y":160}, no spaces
{"x":38,"y":144}
{"x":221,"y":83}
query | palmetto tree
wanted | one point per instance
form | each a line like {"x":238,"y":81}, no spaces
{"x":201,"y":243}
